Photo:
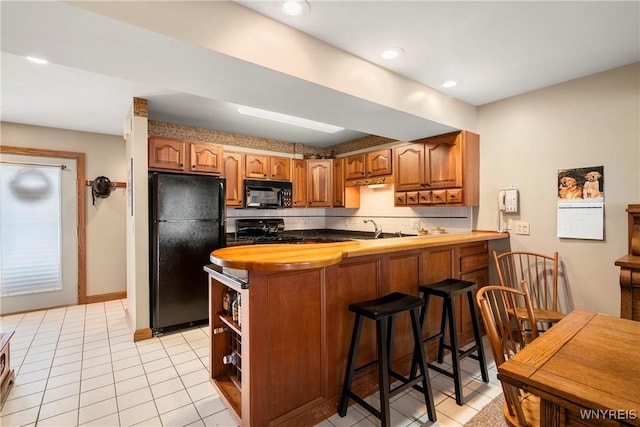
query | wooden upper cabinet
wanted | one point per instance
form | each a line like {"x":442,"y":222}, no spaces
{"x":443,"y":161}
{"x":355,"y":166}
{"x":299,"y":182}
{"x":409,"y":160}
{"x":205,"y":157}
{"x":232,"y":169}
{"x":167,"y":154}
{"x":447,"y":165}
{"x":185,"y":156}
{"x":369,"y":165}
{"x":280,"y":168}
{"x":256,"y":166}
{"x":319,"y":183}
{"x":379,"y":163}
{"x":338,"y":182}
{"x":259,"y":166}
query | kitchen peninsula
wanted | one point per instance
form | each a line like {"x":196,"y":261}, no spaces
{"x":289,"y":346}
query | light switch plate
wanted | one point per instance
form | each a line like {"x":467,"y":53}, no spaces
{"x":522,"y":228}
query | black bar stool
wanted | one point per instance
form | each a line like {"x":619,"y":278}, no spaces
{"x":382,"y":310}
{"x":447,"y":289}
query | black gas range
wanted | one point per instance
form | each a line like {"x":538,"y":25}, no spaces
{"x":263,"y":231}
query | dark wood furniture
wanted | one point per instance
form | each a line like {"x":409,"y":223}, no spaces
{"x":584,"y":369}
{"x":382,"y":311}
{"x":537,"y":275}
{"x":296,"y":323}
{"x":448,"y":289}
{"x":507,"y":335}
{"x":7,"y":375}
{"x":630,"y":269}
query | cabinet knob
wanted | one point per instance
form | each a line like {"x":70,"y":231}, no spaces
{"x":193,"y":166}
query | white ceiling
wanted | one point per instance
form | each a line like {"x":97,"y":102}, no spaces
{"x":494,"y":49}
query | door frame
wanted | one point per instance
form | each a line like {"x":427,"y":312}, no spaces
{"x":80,"y":196}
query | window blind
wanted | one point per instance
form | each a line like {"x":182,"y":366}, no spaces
{"x":30,"y":229}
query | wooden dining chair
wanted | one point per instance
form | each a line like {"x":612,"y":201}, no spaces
{"x":507,"y":335}
{"x":537,"y":275}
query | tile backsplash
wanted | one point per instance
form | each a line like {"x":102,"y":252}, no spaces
{"x":375,"y":204}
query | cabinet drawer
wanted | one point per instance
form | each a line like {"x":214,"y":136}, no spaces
{"x":439,"y":196}
{"x":474,"y":257}
{"x":454,"y":195}
{"x":424,"y":197}
{"x":412,"y":198}
{"x":401,"y":199}
{"x":473,"y":262}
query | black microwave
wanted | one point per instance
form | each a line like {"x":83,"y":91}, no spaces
{"x":263,"y":194}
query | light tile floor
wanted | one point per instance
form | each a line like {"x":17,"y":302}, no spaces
{"x":78,"y":366}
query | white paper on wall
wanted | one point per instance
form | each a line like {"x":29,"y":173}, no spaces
{"x":581,"y":219}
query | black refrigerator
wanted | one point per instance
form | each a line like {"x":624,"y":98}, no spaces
{"x":187,"y":222}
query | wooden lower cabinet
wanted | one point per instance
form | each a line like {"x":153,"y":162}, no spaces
{"x":296,"y":330}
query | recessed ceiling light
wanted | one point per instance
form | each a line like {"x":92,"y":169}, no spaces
{"x":295,"y":8}
{"x":449,"y":84}
{"x":392,"y":53}
{"x":290,"y":120}
{"x":37,"y":60}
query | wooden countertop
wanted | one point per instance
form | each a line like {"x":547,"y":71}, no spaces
{"x":289,"y":257}
{"x":629,"y":261}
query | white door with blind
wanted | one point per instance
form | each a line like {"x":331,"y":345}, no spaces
{"x":38,"y":233}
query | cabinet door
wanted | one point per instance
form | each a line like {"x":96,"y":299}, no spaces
{"x":443,"y":161}
{"x":319,"y":183}
{"x":232,"y":166}
{"x":355,"y":167}
{"x":299,"y":183}
{"x":338,"y":183}
{"x":409,"y":167}
{"x":280,"y":168}
{"x":167,"y":154}
{"x":379,"y":163}
{"x":205,"y":157}
{"x":256,"y":166}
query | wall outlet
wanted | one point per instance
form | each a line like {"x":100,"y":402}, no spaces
{"x":347,"y":221}
{"x":415,"y":225}
{"x":522,"y":228}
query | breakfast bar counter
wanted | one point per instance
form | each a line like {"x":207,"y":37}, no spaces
{"x":281,"y":257}
{"x":278,"y":358}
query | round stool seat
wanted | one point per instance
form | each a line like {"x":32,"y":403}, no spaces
{"x":387,"y":305}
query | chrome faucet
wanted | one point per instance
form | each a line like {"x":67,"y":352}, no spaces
{"x":377,"y":232}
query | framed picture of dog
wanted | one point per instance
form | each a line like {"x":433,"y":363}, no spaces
{"x":581,"y":183}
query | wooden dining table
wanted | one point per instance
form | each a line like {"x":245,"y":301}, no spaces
{"x":585,"y":369}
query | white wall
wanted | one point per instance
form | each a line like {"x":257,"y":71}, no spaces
{"x":106,"y":232}
{"x":524,"y":140}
